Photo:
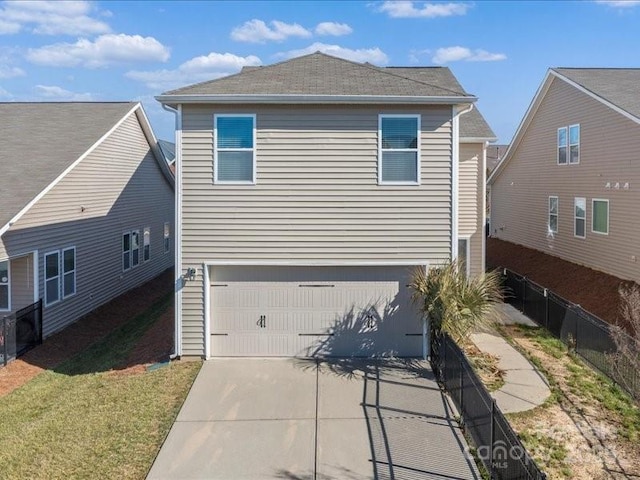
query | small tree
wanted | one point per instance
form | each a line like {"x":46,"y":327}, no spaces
{"x":626,"y":360}
{"x":454,"y":303}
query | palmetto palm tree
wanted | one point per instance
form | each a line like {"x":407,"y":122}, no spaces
{"x":454,"y":303}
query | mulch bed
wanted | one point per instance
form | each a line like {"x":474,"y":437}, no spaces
{"x":594,"y":291}
{"x":155,"y":345}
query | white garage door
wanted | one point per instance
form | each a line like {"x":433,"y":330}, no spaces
{"x":313,"y":311}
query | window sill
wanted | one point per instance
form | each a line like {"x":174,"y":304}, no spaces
{"x":406,"y":184}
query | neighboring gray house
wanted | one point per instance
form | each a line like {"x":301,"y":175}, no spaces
{"x":569,"y":185}
{"x":308,"y":191}
{"x":87,"y":206}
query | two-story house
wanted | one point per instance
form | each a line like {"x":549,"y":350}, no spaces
{"x":569,"y":184}
{"x":308,"y":190}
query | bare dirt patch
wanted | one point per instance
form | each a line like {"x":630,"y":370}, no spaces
{"x":576,"y":434}
{"x":595,"y":291}
{"x":154,"y":346}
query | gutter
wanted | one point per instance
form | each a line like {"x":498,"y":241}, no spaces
{"x":313,"y":99}
{"x":177,"y":336}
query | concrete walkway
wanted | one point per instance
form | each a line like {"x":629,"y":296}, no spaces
{"x":524,"y":388}
{"x":302,"y":420}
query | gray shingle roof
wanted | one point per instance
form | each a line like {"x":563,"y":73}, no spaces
{"x":620,"y":86}
{"x":38,"y":141}
{"x":321,"y":74}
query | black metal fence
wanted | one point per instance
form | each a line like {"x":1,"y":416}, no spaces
{"x":587,"y":335}
{"x":498,"y":446}
{"x":20,"y":332}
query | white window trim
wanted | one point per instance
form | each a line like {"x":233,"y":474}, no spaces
{"x":558,"y":146}
{"x":63,"y":273}
{"x":569,"y":144}
{"x":557,"y":214}
{"x":8,"y":284}
{"x":122,"y":252}
{"x":593,"y":201}
{"x":467,"y":253}
{"x":575,"y":217}
{"x":418,"y":149}
{"x":47,"y":303}
{"x":145,"y":244}
{"x":165,"y":236}
{"x":215,"y":148}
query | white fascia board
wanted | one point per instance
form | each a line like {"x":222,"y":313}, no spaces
{"x":46,"y":190}
{"x":314,"y":99}
{"x":478,"y":139}
{"x":524,"y":124}
{"x":153,"y":143}
{"x":315,"y":263}
{"x":612,"y":106}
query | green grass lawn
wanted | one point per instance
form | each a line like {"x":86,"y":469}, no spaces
{"x":84,"y":421}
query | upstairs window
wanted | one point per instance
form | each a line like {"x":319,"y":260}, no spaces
{"x":126,"y":251}
{"x":553,"y":215}
{"x":4,"y":285}
{"x":135,"y":248}
{"x":167,"y":237}
{"x":399,"y":149}
{"x":234,"y":149}
{"x":580,"y":217}
{"x":569,"y":145}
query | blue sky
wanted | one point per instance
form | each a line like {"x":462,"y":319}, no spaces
{"x":500,"y":51}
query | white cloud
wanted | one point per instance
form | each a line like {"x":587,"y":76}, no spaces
{"x":410,"y":9}
{"x":198,"y":69}
{"x":619,"y":3}
{"x":50,"y":18}
{"x":333,"y":28}
{"x":371,"y":55}
{"x":10,"y":72}
{"x":53,"y":92}
{"x":106,"y":50}
{"x":5,"y":94}
{"x":456,"y":54}
{"x":257,"y":31}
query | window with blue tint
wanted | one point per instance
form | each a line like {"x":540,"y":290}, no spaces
{"x":234,"y":155}
{"x":399,"y":149}
{"x":574,"y":144}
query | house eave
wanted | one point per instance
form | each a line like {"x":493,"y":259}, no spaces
{"x":478,"y":139}
{"x":315,"y":99}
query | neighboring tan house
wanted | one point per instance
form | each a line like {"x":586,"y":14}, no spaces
{"x":569,"y":184}
{"x":308,"y":190}
{"x":87,"y":207}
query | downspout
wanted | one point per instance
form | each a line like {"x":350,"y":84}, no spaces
{"x":455,"y":187}
{"x":178,"y":281}
{"x":483,"y":266}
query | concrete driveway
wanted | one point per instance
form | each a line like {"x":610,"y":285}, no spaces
{"x":297,"y":419}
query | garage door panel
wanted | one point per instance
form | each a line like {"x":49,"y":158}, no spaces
{"x":330,"y":311}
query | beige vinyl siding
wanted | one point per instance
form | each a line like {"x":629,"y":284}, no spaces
{"x":316,"y":197}
{"x":609,"y":145}
{"x":118,"y":187}
{"x":470,"y":206}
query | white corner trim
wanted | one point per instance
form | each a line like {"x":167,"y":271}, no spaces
{"x":207,"y":310}
{"x":48,"y":188}
{"x":36,"y":276}
{"x":483,"y":226}
{"x":178,"y":234}
{"x":455,"y":168}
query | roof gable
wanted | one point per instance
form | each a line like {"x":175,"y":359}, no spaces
{"x":41,"y":142}
{"x":617,"y":88}
{"x":319,"y":74}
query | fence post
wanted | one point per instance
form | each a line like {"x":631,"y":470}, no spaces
{"x":493,"y":438}
{"x":575,"y":331}
{"x":461,"y":392}
{"x":4,"y":340}
{"x":546,"y":309}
